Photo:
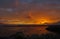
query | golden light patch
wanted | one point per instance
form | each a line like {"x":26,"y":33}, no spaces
{"x":40,"y":21}
{"x":43,"y":21}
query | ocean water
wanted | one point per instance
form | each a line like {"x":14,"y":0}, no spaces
{"x":6,"y":31}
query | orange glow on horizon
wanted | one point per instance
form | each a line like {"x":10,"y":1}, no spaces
{"x":36,"y":21}
{"x":43,"y":21}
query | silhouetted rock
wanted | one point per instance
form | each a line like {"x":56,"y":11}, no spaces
{"x":54,"y":28}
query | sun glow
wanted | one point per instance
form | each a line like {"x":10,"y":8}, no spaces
{"x":43,"y":21}
{"x":36,"y":21}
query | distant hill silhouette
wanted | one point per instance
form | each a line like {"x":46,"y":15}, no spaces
{"x":56,"y":23}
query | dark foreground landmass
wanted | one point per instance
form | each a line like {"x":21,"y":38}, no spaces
{"x":21,"y":35}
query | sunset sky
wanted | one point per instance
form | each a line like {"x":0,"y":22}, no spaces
{"x":29,"y":11}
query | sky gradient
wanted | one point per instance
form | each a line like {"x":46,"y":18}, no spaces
{"x":29,"y":11}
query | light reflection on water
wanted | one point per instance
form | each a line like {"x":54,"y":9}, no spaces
{"x":27,"y":30}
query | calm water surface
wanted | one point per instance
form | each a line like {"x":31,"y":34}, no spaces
{"x":27,"y":30}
